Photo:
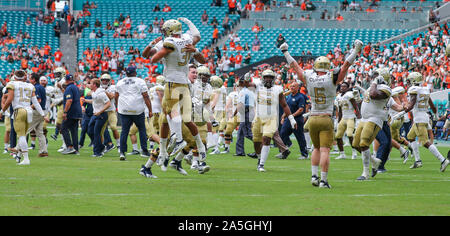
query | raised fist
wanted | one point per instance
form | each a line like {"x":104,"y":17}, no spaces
{"x":358,"y":45}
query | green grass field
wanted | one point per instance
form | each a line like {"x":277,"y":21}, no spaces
{"x":82,"y":185}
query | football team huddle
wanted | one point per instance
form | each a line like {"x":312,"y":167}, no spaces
{"x":188,"y":110}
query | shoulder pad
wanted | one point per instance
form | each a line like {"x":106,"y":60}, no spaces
{"x":349,"y":95}
{"x":385,"y":88}
{"x":169,"y":43}
{"x":10,"y":85}
{"x":412,"y":90}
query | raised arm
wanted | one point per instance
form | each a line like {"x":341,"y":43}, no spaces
{"x":349,"y":60}
{"x":193,"y":29}
{"x":292,"y":63}
{"x":149,"y":51}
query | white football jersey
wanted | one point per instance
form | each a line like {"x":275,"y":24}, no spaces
{"x":22,"y":94}
{"x":176,"y":64}
{"x":375,"y":111}
{"x":322,"y":91}
{"x":420,"y":110}
{"x":222,"y":99}
{"x":156,"y":103}
{"x":112,"y":89}
{"x":49,"y":90}
{"x":201,"y":94}
{"x":348,"y":111}
{"x":234,"y":97}
{"x":268,"y":101}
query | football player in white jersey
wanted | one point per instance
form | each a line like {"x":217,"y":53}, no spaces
{"x":218,"y":104}
{"x":268,"y":99}
{"x":347,"y":107}
{"x":176,"y":53}
{"x":321,"y":84}
{"x":398,"y":94}
{"x":7,"y":122}
{"x":21,"y":95}
{"x":231,"y":117}
{"x":419,"y":103}
{"x":110,"y":91}
{"x":374,"y":114}
{"x":57,"y":100}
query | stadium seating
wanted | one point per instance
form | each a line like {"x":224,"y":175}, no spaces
{"x":39,"y":34}
{"x":109,"y":10}
{"x":317,"y":41}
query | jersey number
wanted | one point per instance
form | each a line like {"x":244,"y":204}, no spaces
{"x":25,"y":94}
{"x":423,"y":101}
{"x":320,"y":97}
{"x":186,"y":57}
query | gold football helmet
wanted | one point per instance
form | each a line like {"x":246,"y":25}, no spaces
{"x":105,"y":80}
{"x":216,"y":81}
{"x":322,"y":64}
{"x":160,"y":80}
{"x":415,"y":78}
{"x":384,"y":72}
{"x":171,"y":27}
{"x":60,"y":73}
{"x":268,"y":77}
{"x":203,"y":74}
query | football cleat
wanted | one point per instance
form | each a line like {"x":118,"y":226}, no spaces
{"x":215,"y":151}
{"x":32,"y":147}
{"x":342,"y":156}
{"x":122,"y":157}
{"x":54,"y":137}
{"x":444,"y":165}
{"x":362,"y":178}
{"x":176,"y":165}
{"x":324,"y":184}
{"x":178,"y":147}
{"x":62,"y":149}
{"x":381,"y":171}
{"x":24,"y":163}
{"x":146,"y":172}
{"x":225,"y":151}
{"x":68,"y":151}
{"x":417,"y":164}
{"x":261,"y":168}
{"x":302,"y":158}
{"x":165,"y":163}
{"x":171,"y":143}
{"x":194,"y":165}
{"x":354,"y":156}
{"x":315,"y":181}
{"x":405,"y":156}
{"x":203,"y":168}
{"x":5,"y":151}
{"x":17,"y":158}
{"x":109,"y":148}
{"x":279,"y":155}
{"x":188,"y":159}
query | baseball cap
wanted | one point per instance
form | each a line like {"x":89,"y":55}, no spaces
{"x":69,"y":77}
{"x":43,"y":78}
{"x":131,"y":69}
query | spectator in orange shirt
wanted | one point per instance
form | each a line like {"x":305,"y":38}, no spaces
{"x":58,"y":56}
{"x":255,"y":28}
{"x":231,"y":6}
{"x":215,"y":35}
{"x":167,"y":8}
{"x":24,"y":64}
{"x":339,"y":17}
{"x":370,"y":9}
{"x":239,"y":47}
{"x":238,"y":62}
{"x":259,"y":6}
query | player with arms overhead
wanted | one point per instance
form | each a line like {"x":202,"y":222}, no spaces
{"x":176,"y":51}
{"x":419,"y":102}
{"x":21,"y":95}
{"x":321,"y":83}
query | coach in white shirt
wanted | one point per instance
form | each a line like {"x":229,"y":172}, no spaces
{"x":131,"y":99}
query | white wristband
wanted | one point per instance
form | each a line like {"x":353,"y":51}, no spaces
{"x":351,"y":58}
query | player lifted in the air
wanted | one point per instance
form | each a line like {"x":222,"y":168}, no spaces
{"x":176,"y":51}
{"x":21,"y":95}
{"x":321,"y":83}
{"x":419,"y":103}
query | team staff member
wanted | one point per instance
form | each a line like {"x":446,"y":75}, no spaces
{"x":87,"y":113}
{"x":72,"y":115}
{"x":100,"y":104}
{"x":37,"y":124}
{"x":246,"y":108}
{"x":297,"y":104}
{"x":131,"y":95}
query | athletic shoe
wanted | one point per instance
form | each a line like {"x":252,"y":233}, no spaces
{"x":69,"y":151}
{"x":44,"y":154}
{"x":203,"y":168}
{"x":225,"y":151}
{"x":381,"y":170}
{"x":32,"y":147}
{"x":215,"y":151}
{"x":188,"y":159}
{"x":146,"y":172}
{"x":324,"y":184}
{"x":334,"y":152}
{"x":17,"y":158}
{"x":354,"y":156}
{"x":171,"y":143}
{"x":109,"y":148}
{"x":5,"y":151}
{"x":286,"y":154}
{"x":374,"y":172}
{"x":239,"y":155}
{"x":362,"y":178}
{"x":302,"y":158}
{"x":279,"y":156}
{"x":444,"y":165}
{"x":417,"y":164}
{"x":165,"y":163}
{"x":194,"y":165}
{"x":315,"y":181}
{"x":405,"y":156}
{"x":176,"y":165}
{"x":122,"y":157}
{"x":261,"y":168}
{"x":342,"y":156}
{"x":62,"y":149}
{"x":252,"y":155}
{"x":145,"y":154}
{"x":134,"y":152}
{"x":24,"y":163}
{"x":178,"y":147}
{"x":54,"y":137}
{"x":97,"y":156}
